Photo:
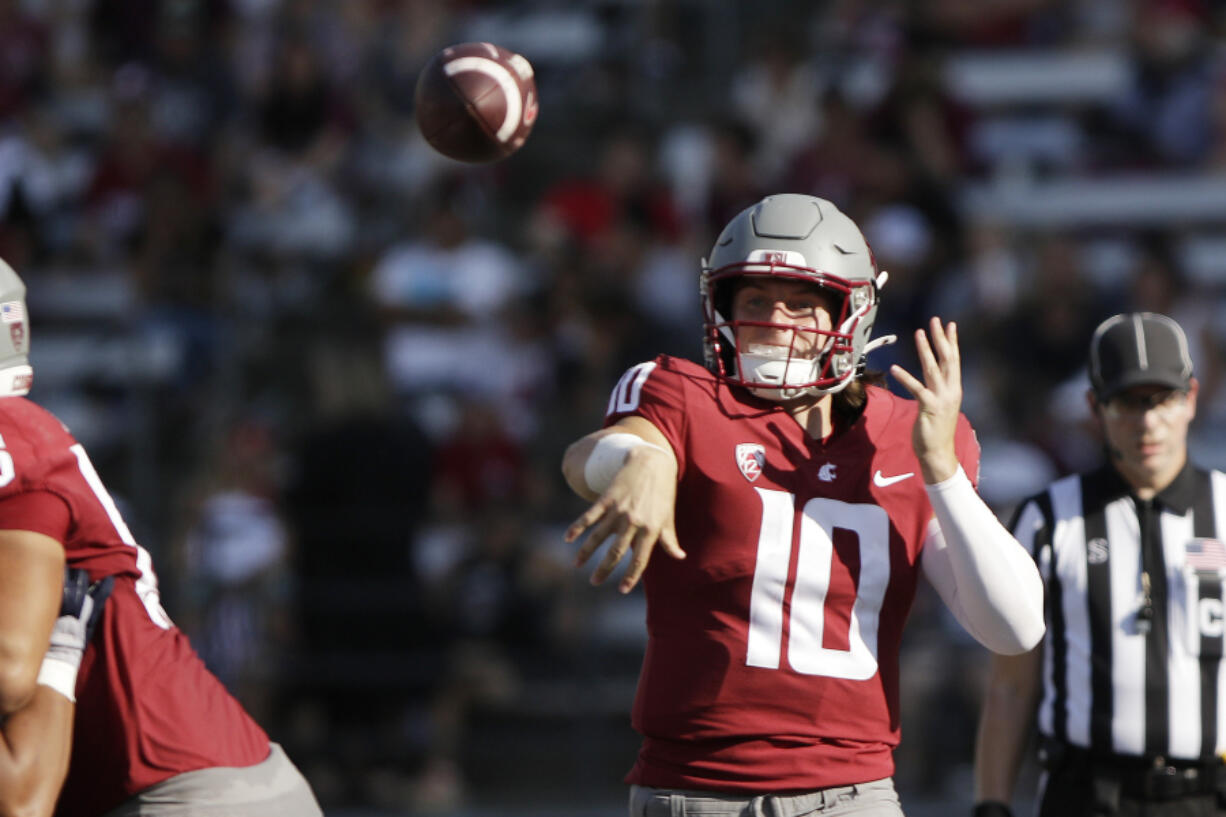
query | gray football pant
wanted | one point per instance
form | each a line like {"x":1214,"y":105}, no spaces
{"x":272,"y":788}
{"x":874,"y":799}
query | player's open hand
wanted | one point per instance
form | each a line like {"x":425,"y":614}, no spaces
{"x":637,"y":510}
{"x":939,"y":397}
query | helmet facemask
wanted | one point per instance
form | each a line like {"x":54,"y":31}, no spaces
{"x":792,"y":237}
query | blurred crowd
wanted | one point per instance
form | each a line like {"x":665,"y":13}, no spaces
{"x":331,"y":374}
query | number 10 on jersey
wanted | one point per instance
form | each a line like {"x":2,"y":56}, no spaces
{"x":806,"y":625}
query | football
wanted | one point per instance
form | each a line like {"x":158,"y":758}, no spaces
{"x":476,"y":102}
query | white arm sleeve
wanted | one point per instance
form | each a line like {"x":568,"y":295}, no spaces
{"x":986,"y":578}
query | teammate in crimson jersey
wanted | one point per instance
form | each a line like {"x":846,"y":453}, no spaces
{"x":799,"y":506}
{"x":36,"y":696}
{"x":156,"y":732}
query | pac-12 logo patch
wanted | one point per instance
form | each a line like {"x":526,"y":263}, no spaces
{"x":750,"y":457}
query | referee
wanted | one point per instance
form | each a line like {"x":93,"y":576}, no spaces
{"x":1128,"y":683}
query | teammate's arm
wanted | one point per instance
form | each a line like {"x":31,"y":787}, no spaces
{"x":980,"y":570}
{"x":35,"y":744}
{"x":36,"y":740}
{"x":1004,"y":724}
{"x":629,"y":472}
{"x":31,"y":584}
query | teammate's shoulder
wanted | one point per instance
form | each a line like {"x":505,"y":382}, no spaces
{"x":23,"y":413}
{"x":23,"y":419}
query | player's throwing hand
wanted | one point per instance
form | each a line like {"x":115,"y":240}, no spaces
{"x":636,"y":509}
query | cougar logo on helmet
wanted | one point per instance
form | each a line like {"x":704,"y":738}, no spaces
{"x":792,"y":237}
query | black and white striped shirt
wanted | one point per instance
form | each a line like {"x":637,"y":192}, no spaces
{"x":1110,"y":683}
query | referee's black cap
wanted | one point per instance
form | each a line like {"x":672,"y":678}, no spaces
{"x":1138,"y":349}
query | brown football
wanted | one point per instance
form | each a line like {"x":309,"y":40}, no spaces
{"x":476,"y":102}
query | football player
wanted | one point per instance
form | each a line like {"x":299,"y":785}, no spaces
{"x":36,"y":696}
{"x":799,"y":505}
{"x":156,"y":732}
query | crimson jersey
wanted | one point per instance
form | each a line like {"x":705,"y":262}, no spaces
{"x":772,"y":653}
{"x":147,"y":708}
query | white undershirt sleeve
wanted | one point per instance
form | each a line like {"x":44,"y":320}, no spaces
{"x":986,"y":578}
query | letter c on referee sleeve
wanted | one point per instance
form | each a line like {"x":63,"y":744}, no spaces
{"x":1210,"y":611}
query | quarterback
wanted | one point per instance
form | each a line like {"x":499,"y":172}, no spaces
{"x":799,"y":504}
{"x":156,"y":733}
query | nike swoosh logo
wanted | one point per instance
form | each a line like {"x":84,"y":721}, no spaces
{"x":882,"y":482}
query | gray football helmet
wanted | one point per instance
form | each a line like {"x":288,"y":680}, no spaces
{"x":801,"y":238}
{"x":16,"y":376}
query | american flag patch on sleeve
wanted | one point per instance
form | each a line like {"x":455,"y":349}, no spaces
{"x":1205,"y":554}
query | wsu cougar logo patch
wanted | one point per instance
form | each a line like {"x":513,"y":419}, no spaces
{"x":750,"y":457}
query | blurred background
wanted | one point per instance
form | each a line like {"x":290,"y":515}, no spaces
{"x":329,"y":375}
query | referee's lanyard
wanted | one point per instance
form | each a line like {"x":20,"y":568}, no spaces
{"x":1151,"y":620}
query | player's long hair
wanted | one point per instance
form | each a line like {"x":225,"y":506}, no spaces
{"x":849,"y":402}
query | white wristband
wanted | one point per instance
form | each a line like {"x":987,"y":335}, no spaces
{"x":60,"y":676}
{"x":608,"y":457}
